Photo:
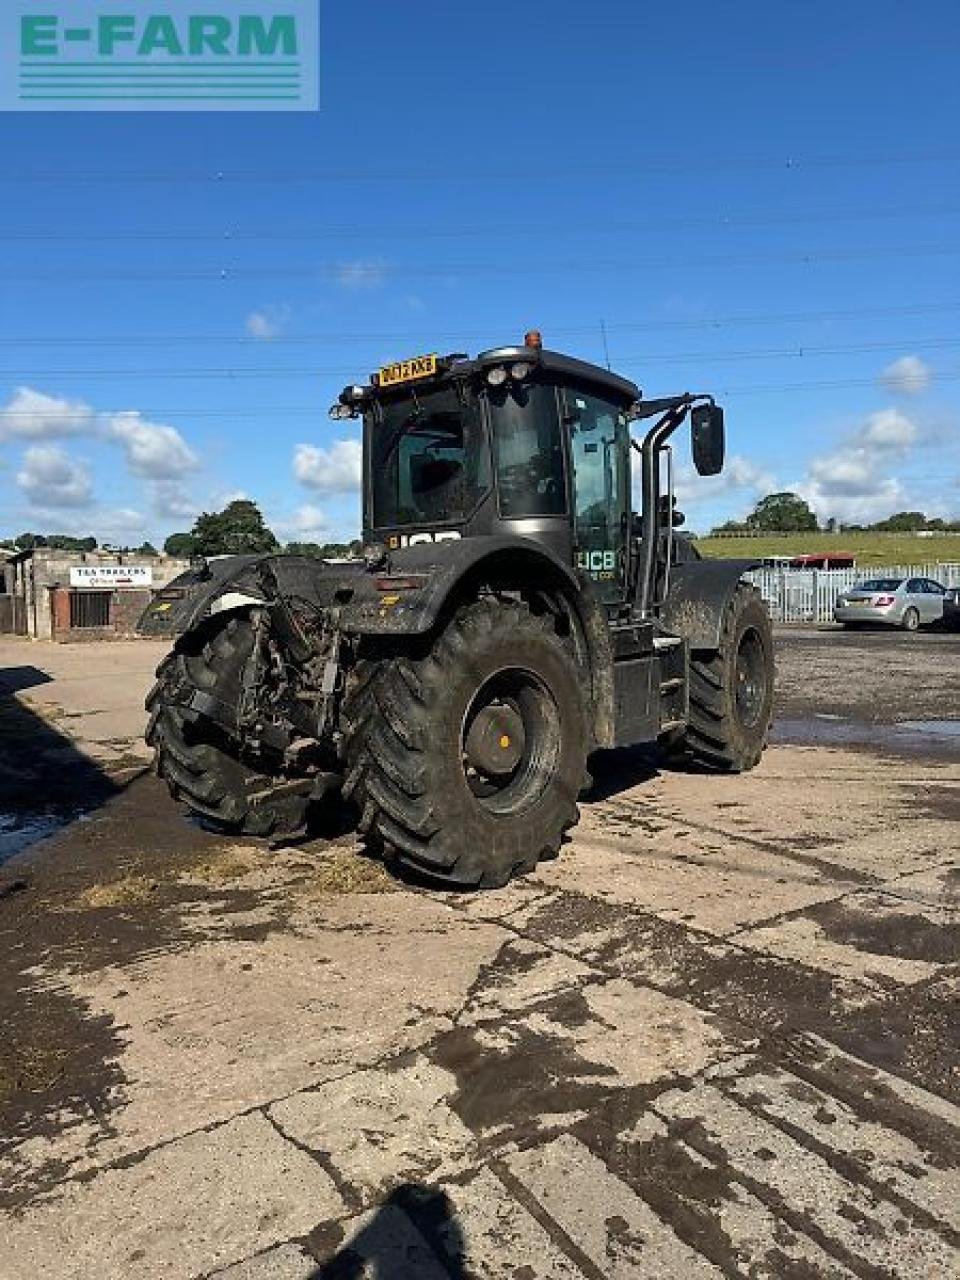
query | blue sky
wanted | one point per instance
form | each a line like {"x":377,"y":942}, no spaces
{"x":757,"y":200}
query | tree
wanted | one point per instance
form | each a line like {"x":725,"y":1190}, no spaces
{"x":147,"y":549}
{"x":729,"y":526}
{"x":236,"y":530}
{"x":782,"y":513}
{"x":181,"y":545}
{"x":902,"y":522}
{"x":28,"y":541}
{"x":66,"y":542}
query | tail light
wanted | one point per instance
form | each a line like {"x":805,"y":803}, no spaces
{"x":881,"y":601}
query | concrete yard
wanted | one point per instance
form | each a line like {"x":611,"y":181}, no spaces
{"x":717,"y":1037}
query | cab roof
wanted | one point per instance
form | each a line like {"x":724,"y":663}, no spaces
{"x":564,"y":368}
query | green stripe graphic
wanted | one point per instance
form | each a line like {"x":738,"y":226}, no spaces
{"x":166,"y":97}
{"x":38,"y":63}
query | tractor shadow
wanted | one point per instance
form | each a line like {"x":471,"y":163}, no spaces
{"x":618,"y":770}
{"x":45,"y":782}
{"x":615,"y":771}
{"x":414,"y":1233}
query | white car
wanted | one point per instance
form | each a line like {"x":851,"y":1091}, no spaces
{"x":897,"y":602}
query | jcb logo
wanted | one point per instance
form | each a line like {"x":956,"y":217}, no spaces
{"x":398,"y":540}
{"x":597,"y":561}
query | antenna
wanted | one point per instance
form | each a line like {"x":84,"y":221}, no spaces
{"x":606,"y":351}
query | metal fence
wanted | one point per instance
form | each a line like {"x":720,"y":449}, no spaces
{"x":808,"y":595}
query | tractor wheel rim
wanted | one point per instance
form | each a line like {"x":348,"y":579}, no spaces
{"x":750,"y":678}
{"x":510,"y":741}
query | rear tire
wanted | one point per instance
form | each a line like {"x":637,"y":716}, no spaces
{"x":197,"y":761}
{"x":422,"y":743}
{"x":731,"y":688}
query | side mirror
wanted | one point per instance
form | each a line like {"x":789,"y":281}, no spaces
{"x":707,"y":439}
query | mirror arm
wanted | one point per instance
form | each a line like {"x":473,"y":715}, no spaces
{"x":650,"y":518}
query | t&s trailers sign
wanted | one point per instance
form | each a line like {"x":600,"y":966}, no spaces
{"x":104,"y":577}
{"x":172,"y":55}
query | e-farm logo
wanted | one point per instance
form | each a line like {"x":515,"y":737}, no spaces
{"x":168,"y":55}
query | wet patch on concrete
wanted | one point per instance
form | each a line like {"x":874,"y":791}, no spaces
{"x":866,"y":925}
{"x":56,"y":1062}
{"x":521,"y":1085}
{"x":912,"y":739}
{"x":913,"y":1032}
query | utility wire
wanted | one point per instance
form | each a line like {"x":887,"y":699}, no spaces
{"x":474,"y":172}
{"x":286,"y":371}
{"x":317,"y":410}
{"x":450,"y":336}
{"x":235,"y":235}
{"x":347,"y":272}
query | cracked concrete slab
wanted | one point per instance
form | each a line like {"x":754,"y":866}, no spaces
{"x":187,"y":1207}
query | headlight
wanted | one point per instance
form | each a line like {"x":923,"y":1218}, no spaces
{"x":520,"y":370}
{"x":497,"y":376}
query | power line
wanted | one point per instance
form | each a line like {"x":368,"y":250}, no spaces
{"x":473,"y":172}
{"x":347,"y":272}
{"x":689,"y":357}
{"x":316,"y":409}
{"x":235,"y":235}
{"x":449,"y":336}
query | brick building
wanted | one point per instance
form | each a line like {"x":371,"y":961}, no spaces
{"x":74,"y":595}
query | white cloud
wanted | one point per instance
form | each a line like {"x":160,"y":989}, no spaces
{"x":333,"y":470}
{"x":31,"y":415}
{"x":362,"y":273}
{"x":267,"y":323}
{"x":153,"y":450}
{"x":50,"y":478}
{"x":854,"y":482}
{"x":740,"y":478}
{"x":307,"y":524}
{"x":169,"y":502}
{"x":907,"y":376}
{"x":887,"y":430}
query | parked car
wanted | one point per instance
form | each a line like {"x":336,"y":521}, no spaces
{"x":951,"y":609}
{"x":896,"y":602}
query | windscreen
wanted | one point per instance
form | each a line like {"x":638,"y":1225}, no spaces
{"x":879,"y":584}
{"x":428,"y":460}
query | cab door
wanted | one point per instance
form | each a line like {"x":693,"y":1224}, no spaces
{"x":600,"y":477}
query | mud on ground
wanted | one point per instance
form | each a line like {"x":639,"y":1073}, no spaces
{"x":717,"y":1037}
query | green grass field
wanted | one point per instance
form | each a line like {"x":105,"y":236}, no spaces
{"x":869,"y":548}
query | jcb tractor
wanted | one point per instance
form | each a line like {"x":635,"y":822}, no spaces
{"x":511,"y":615}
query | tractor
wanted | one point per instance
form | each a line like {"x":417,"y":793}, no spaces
{"x":511,"y":616}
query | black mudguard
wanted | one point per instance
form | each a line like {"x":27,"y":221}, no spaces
{"x":196,"y":594}
{"x":405,"y":596}
{"x":699,"y":592}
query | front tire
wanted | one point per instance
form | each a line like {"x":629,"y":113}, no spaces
{"x":910,"y":620}
{"x":198,"y":762}
{"x":731,"y":688}
{"x":466,"y":763}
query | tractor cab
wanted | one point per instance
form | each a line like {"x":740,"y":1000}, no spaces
{"x":518,"y":441}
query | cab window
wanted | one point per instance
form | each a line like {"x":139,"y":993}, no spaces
{"x":599,"y":448}
{"x":429,"y":463}
{"x":525,"y":423}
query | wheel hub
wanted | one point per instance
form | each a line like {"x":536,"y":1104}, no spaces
{"x":495,"y":741}
{"x":749,"y":673}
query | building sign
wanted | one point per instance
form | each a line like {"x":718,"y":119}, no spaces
{"x":172,"y":55}
{"x":107,"y":577}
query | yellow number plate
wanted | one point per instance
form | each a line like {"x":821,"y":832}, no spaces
{"x":391,"y":375}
